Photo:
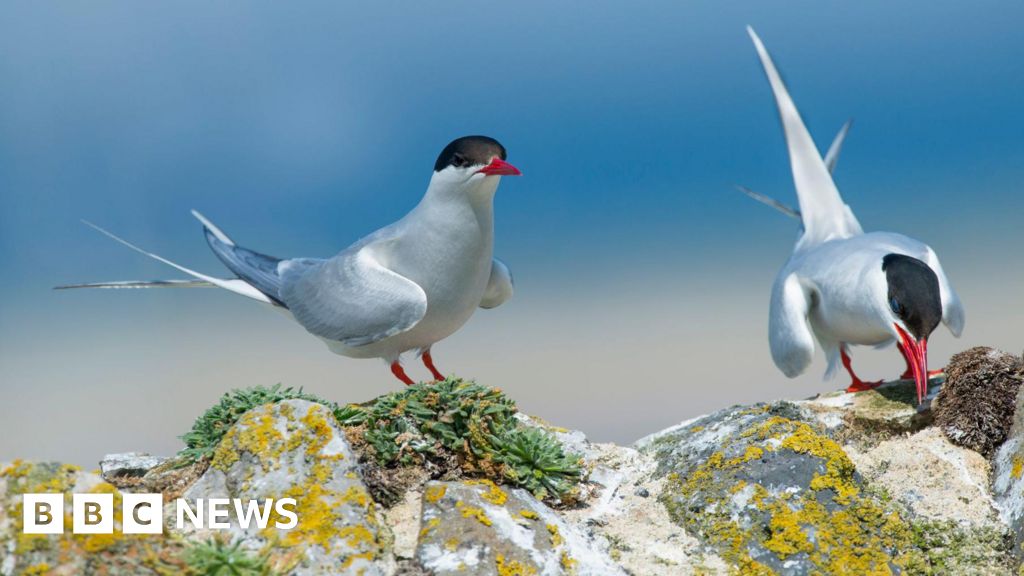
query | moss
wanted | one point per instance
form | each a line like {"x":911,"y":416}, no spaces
{"x":946,"y":547}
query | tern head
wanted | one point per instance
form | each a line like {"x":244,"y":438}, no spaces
{"x":473,"y":165}
{"x":915,"y":308}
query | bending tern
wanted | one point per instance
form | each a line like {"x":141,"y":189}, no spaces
{"x":842,"y":286}
{"x":400,"y":289}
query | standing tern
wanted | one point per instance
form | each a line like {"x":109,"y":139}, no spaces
{"x":843,"y":286}
{"x":402,"y":288}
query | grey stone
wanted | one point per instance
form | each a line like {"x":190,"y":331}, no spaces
{"x":295,"y":449}
{"x":128,"y":464}
{"x":772,"y":494}
{"x":482,"y":529}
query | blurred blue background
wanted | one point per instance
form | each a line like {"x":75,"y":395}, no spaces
{"x":642,"y":276}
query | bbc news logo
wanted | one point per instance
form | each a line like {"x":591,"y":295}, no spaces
{"x":144,"y":513}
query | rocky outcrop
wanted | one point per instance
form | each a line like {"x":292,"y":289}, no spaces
{"x":451,"y":479}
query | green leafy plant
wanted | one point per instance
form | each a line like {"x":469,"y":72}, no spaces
{"x":475,"y":424}
{"x":537,"y":462}
{"x":210,"y":428}
{"x":453,"y":424}
{"x":215,"y":557}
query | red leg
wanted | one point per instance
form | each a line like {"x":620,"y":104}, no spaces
{"x":908,"y":374}
{"x":428,"y":361}
{"x":399,"y":373}
{"x":857,"y":385}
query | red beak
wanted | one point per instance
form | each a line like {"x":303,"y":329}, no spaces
{"x":917,"y":357}
{"x":499,"y":167}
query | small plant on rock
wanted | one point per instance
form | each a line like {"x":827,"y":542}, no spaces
{"x":215,"y":557}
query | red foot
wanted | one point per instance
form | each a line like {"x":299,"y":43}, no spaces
{"x":428,"y":361}
{"x":908,"y":375}
{"x":857,"y":385}
{"x":399,"y":373}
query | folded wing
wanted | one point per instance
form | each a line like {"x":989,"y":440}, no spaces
{"x":351,"y":298}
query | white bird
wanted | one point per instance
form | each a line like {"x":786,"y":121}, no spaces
{"x":400,"y":289}
{"x":842,"y":286}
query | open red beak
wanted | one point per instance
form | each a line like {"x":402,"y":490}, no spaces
{"x":917,"y":357}
{"x":499,"y":167}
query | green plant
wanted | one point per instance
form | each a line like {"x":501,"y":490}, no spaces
{"x":475,"y":424}
{"x":215,"y":557}
{"x":537,"y":462}
{"x":206,"y":433}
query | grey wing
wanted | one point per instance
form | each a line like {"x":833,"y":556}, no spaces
{"x":259,"y":270}
{"x":351,"y":298}
{"x":789,"y":332}
{"x":500,"y":285}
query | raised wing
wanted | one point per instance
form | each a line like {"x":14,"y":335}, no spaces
{"x":789,"y":333}
{"x":351,"y":298}
{"x":500,"y":285}
{"x":832,"y":156}
{"x":823,"y":212}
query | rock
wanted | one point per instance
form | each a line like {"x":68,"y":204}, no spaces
{"x":866,"y":418}
{"x":477,"y":527}
{"x":129,"y":464}
{"x":1008,"y":477}
{"x":295,"y":449}
{"x":931,"y":477}
{"x":775,"y":496}
{"x":67,"y":553}
{"x":976,"y":406}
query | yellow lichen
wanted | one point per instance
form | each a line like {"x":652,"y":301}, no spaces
{"x":568,"y":563}
{"x":493,"y":494}
{"x":434,"y":493}
{"x":478,"y":513}
{"x":513,"y":567}
{"x":1018,"y":467}
{"x":860,"y":537}
{"x":40,"y":569}
{"x":556,"y":537}
{"x":528,"y":514}
{"x":431,"y":524}
{"x":451,"y":544}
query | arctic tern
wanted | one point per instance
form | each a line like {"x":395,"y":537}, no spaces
{"x":843,"y":286}
{"x":400,"y":289}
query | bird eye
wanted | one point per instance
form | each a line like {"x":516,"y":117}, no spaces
{"x":896,"y":307}
{"x":459,"y":161}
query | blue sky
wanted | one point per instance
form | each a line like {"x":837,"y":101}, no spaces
{"x":300,"y":127}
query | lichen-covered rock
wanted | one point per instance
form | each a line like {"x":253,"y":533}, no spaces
{"x":932,"y":478}
{"x":868,"y":417}
{"x":294,"y":449}
{"x":775,"y":496}
{"x":1008,"y":477}
{"x":101,"y":554}
{"x":477,"y":527}
{"x":976,"y":406}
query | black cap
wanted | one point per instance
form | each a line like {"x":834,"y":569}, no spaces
{"x":469,"y":151}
